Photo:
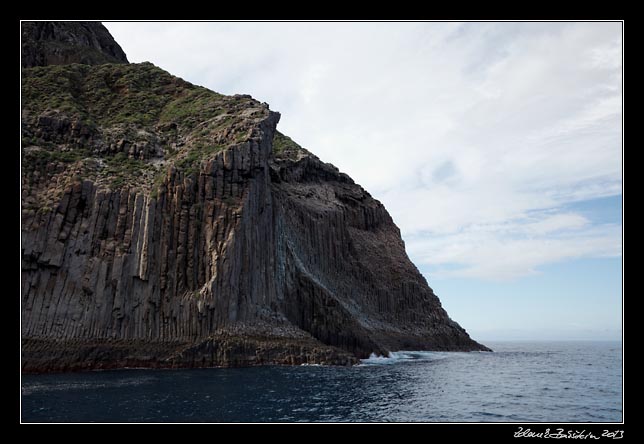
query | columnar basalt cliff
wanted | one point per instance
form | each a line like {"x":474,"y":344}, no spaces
{"x":165,"y":225}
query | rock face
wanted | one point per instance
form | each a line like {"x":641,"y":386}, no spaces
{"x":61,"y":43}
{"x":165,"y":225}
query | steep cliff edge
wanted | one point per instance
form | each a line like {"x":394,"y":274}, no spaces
{"x":347,"y":278}
{"x":165,"y":225}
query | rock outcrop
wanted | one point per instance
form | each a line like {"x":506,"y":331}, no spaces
{"x":62,"y":43}
{"x":165,"y":225}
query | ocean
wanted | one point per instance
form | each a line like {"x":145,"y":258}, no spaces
{"x":519,"y":382}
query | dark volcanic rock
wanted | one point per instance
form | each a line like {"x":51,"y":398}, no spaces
{"x":61,"y":43}
{"x":347,"y":279}
{"x":165,"y":225}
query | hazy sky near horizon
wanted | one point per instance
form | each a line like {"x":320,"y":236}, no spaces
{"x":496,"y":147}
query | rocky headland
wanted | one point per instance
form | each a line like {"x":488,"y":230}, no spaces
{"x":166,"y":225}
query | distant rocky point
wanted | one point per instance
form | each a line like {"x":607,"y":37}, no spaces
{"x":62,"y":43}
{"x":166,"y":225}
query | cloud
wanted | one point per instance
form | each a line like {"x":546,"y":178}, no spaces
{"x":514,"y":249}
{"x":475,"y":136}
{"x":556,"y":223}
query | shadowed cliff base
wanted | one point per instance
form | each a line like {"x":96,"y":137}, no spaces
{"x":166,"y":225}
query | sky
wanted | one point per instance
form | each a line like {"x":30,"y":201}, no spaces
{"x":496,"y":147}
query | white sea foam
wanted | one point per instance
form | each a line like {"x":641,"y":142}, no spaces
{"x":403,"y":356}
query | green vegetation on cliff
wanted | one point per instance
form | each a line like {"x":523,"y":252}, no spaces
{"x":111,"y":94}
{"x":286,"y":148}
{"x":124,"y":124}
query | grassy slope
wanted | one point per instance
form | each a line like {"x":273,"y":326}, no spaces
{"x":131,"y":102}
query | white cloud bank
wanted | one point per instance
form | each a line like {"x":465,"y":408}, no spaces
{"x":475,"y":136}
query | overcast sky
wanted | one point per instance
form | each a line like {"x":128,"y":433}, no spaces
{"x":496,"y":147}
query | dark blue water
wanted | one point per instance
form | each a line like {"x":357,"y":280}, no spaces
{"x":520,"y":381}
